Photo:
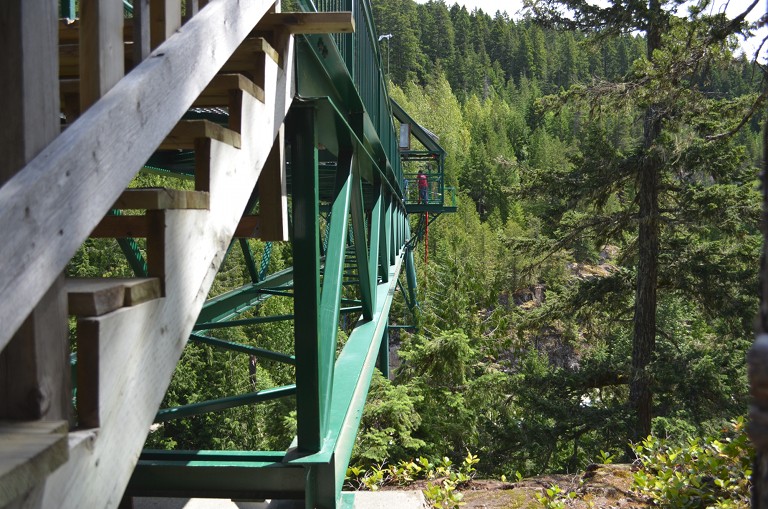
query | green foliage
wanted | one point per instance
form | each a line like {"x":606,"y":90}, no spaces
{"x":701,"y":472}
{"x":555,"y":498}
{"x":443,"y":478}
{"x":388,"y":423}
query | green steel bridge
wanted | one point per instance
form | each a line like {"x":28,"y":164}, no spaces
{"x":281,"y":125}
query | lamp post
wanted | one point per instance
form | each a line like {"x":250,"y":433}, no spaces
{"x":387,"y":37}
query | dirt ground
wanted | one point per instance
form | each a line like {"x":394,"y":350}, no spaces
{"x":600,"y":487}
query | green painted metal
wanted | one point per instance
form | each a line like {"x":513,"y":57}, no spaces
{"x":383,"y":252}
{"x":216,"y":405}
{"x":410,"y":272}
{"x":311,"y":416}
{"x":383,"y":361}
{"x":246,"y":349}
{"x":249,"y":262}
{"x":266,"y":256}
{"x":67,"y":9}
{"x":132,"y":252}
{"x":375,"y":240}
{"x":343,"y":160}
{"x":361,"y":249}
{"x":330,"y":297}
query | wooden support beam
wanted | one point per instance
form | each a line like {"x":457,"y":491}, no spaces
{"x":273,"y":193}
{"x":34,"y":367}
{"x":101,"y":49}
{"x":309,"y":22}
{"x":185,"y":133}
{"x":165,"y":19}
{"x":29,"y":451}
{"x":28,"y":97}
{"x":249,"y":227}
{"x":140,"y":30}
{"x":34,"y":355}
{"x":98,"y":296}
{"x":157,"y":198}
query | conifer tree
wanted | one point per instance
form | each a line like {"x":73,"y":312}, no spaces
{"x":661,"y":88}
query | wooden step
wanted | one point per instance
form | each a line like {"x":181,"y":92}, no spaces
{"x":157,"y":198}
{"x":118,"y":227}
{"x":98,"y":296}
{"x":183,"y":136}
{"x":309,"y":22}
{"x":217,"y":93}
{"x":29,"y":452}
{"x":249,"y":59}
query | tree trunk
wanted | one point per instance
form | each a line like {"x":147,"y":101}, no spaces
{"x":644,"y":338}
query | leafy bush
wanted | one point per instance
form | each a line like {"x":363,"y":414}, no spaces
{"x":443,"y":477}
{"x":710,"y":472}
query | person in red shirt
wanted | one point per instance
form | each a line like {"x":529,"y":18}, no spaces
{"x":422,"y":182}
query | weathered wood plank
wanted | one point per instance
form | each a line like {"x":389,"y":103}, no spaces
{"x":46,"y":427}
{"x":34,"y":374}
{"x":98,"y":296}
{"x":28,"y":97}
{"x":249,"y":227}
{"x":150,"y":337}
{"x":162,"y":198}
{"x":118,"y":227}
{"x":92,"y":160}
{"x":28,"y":454}
{"x":140,"y":30}
{"x":165,"y":19}
{"x":217,"y":93}
{"x":69,"y":29}
{"x":100,"y":49}
{"x":69,"y":59}
{"x":190,"y":9}
{"x":250,"y":57}
{"x":273,"y":194}
{"x":185,"y":133}
{"x":309,"y":22}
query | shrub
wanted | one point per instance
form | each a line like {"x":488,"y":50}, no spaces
{"x":710,"y":472}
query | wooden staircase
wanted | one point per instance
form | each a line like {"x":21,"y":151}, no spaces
{"x":130,"y":333}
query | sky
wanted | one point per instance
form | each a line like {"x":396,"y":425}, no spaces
{"x":512,"y":7}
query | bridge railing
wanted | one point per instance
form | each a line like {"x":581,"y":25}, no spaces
{"x":360,"y":52}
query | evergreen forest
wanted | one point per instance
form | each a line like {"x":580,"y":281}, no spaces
{"x":599,"y":281}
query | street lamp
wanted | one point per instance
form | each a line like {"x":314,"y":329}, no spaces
{"x":387,"y":37}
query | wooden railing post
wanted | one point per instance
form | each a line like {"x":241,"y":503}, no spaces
{"x":101,"y":49}
{"x":141,"y":46}
{"x":34,"y":370}
{"x":166,"y":19}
